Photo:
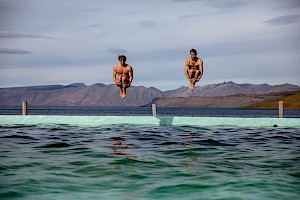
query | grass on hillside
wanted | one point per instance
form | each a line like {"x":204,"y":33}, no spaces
{"x":289,"y":102}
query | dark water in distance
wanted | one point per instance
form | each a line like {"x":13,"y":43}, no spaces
{"x":149,"y":163}
{"x":146,"y":111}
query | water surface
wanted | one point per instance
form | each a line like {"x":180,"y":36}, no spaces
{"x":149,"y":162}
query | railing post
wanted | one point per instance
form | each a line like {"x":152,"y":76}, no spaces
{"x":24,"y":108}
{"x":280,"y":109}
{"x":154,"y":110}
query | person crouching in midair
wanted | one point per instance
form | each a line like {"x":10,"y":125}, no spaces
{"x":122,"y":75}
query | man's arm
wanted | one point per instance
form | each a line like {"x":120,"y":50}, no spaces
{"x":130,"y":74}
{"x":186,"y":69}
{"x":114,"y":74}
{"x":200,"y":69}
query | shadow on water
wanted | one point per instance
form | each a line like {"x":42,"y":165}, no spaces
{"x":165,"y":121}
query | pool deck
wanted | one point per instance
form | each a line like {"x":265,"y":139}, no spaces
{"x":147,"y":120}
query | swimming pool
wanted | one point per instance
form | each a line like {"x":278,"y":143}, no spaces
{"x":121,"y":161}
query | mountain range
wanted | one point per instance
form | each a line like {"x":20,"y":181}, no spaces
{"x":227,"y":94}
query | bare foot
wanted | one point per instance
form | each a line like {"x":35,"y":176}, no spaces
{"x":192,"y":86}
{"x":123,"y":96}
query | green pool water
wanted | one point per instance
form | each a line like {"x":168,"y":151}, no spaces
{"x":135,"y":161}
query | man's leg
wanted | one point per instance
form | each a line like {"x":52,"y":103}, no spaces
{"x":119,"y":84}
{"x":124,"y":93}
{"x":192,"y":85}
{"x":192,"y":79}
{"x":121,"y":92}
{"x":197,"y":75}
{"x":125,"y":84}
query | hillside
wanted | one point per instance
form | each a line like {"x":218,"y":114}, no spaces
{"x":230,"y":88}
{"x":227,"y":94}
{"x":232,"y":101}
{"x":289,"y":102}
{"x":78,"y":95}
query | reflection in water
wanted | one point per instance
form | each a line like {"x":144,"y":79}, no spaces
{"x":119,"y":147}
{"x":191,"y":155}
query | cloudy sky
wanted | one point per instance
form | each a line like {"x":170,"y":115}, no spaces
{"x":46,"y":42}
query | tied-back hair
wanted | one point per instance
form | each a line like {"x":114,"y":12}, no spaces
{"x":193,"y":51}
{"x":121,"y":56}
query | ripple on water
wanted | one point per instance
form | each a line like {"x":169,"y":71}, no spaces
{"x":149,"y":162}
{"x":55,"y":145}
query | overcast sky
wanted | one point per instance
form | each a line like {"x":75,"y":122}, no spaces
{"x":46,"y":42}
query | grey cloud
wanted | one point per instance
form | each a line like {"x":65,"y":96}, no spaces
{"x":225,"y":4}
{"x":95,"y":26}
{"x":216,"y":3}
{"x":93,"y":10}
{"x":6,"y":34}
{"x":221,"y":6}
{"x":133,"y":13}
{"x":146,"y":24}
{"x":259,"y":46}
{"x":282,"y":20}
{"x":117,"y":51}
{"x":176,"y":1}
{"x":4,"y":50}
{"x":291,"y":4}
{"x":6,"y":6}
{"x":187,"y":16}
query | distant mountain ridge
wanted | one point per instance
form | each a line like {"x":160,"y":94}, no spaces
{"x":99,"y":94}
{"x":230,"y":88}
{"x":78,"y":94}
